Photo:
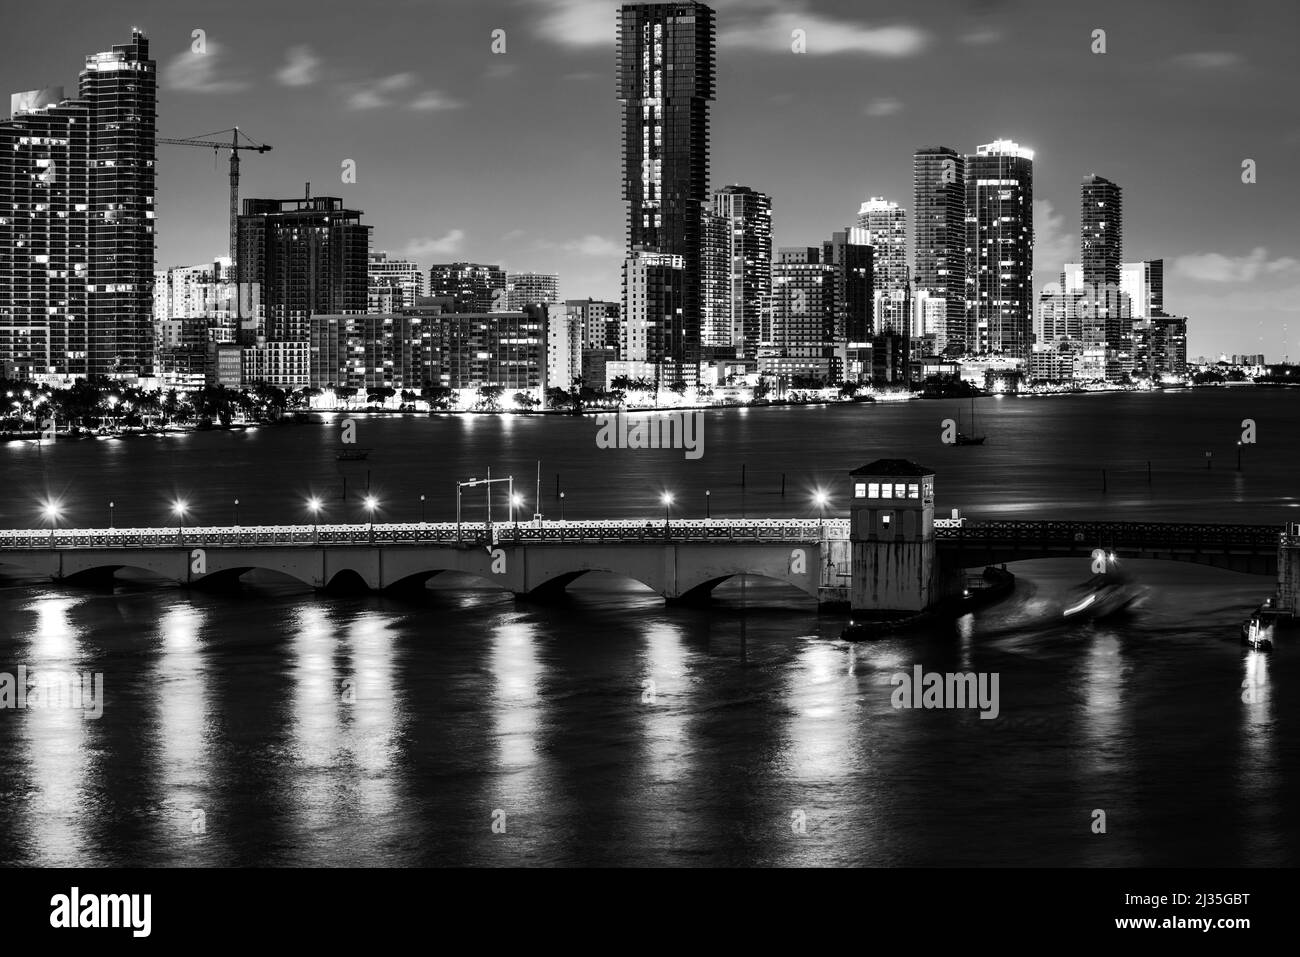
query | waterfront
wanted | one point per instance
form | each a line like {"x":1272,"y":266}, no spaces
{"x":612,"y":729}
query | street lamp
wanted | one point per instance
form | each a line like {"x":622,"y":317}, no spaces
{"x":110,"y":514}
{"x":820,"y":499}
{"x":421,"y":508}
{"x":52,"y":511}
{"x":371,"y":504}
{"x":236,"y":513}
{"x":313,"y":506}
{"x":561,"y":506}
{"x":707,"y":514}
{"x":668,"y":504}
{"x":179,"y":508}
{"x":516,"y":503}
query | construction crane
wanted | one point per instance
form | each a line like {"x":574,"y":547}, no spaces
{"x":238,"y":141}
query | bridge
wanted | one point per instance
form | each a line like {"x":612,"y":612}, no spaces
{"x":681,"y":559}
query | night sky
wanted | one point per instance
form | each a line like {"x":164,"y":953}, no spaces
{"x":513,"y":158}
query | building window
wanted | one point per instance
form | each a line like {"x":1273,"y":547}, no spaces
{"x":913,"y":491}
{"x":873,"y":490}
{"x":885,"y":519}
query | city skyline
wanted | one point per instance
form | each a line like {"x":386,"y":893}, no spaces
{"x":1236,"y":282}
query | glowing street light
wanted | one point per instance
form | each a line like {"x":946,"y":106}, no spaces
{"x":313,"y":506}
{"x":516,"y":503}
{"x":668,"y":504}
{"x":236,"y":513}
{"x":110,"y":514}
{"x":561,"y":506}
{"x":421,"y":508}
{"x":821,"y":500}
{"x":707,"y":514}
{"x":371,"y":504}
{"x":51,"y":511}
{"x":179,"y":508}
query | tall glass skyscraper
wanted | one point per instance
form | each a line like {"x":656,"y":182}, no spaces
{"x":886,"y":225}
{"x":1000,"y":247}
{"x":665,"y":83}
{"x":77,"y":221}
{"x":939,"y":213}
{"x":749,"y":254}
{"x":1101,"y":225}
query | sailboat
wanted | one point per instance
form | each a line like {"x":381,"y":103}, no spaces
{"x":972,"y":439}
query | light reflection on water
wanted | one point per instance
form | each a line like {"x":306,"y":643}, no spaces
{"x":321,"y":730}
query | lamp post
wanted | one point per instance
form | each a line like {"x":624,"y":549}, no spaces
{"x":51,"y":512}
{"x":110,"y":514}
{"x":707,"y":514}
{"x":561,"y":506}
{"x":179,"y":507}
{"x":820,"y":498}
{"x":668,"y":504}
{"x":516,"y":503}
{"x":236,"y":513}
{"x":371,"y":504}
{"x":1238,"y":455}
{"x":313,"y":506}
{"x":421,"y":508}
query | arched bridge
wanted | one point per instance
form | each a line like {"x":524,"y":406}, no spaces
{"x":679,"y":560}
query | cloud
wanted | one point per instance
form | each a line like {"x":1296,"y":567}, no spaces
{"x":1053,"y":246}
{"x":744,"y":24}
{"x":577,"y":23}
{"x":513,"y":235}
{"x":191,"y":72}
{"x":825,"y":35}
{"x":426,"y":248}
{"x":1215,"y":267}
{"x":982,"y":37}
{"x":1209,"y":59}
{"x":499,"y":70}
{"x":883,"y":106}
{"x":302,"y":68}
{"x":375,"y":94}
{"x":589,"y":245}
{"x":431,"y":100}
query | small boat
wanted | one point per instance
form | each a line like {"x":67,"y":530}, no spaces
{"x":1257,"y":632}
{"x":962,"y":437}
{"x":1103,"y":595}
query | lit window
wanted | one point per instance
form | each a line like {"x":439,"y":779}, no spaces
{"x":913,"y":491}
{"x":873,"y":490}
{"x":886,"y":518}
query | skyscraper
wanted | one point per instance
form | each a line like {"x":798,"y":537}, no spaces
{"x":939,"y":214}
{"x":77,"y":221}
{"x":665,"y":82}
{"x":476,"y":287}
{"x":1101,"y":231}
{"x":1000,"y":248}
{"x":885,"y":223}
{"x":715,"y":285}
{"x":310,"y":257}
{"x":749,"y":214}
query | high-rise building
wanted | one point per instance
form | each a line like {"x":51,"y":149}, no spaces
{"x":531,"y":288}
{"x":1101,"y":231}
{"x":310,"y":256}
{"x":653,"y":311}
{"x":1144,"y":283}
{"x":803,"y":302}
{"x":77,"y":221}
{"x":665,"y":83}
{"x":749,"y":256}
{"x":885,"y":223}
{"x":715,"y":284}
{"x":393,"y":284}
{"x":1169,"y":346}
{"x":939,"y":214}
{"x":851,"y":257}
{"x":1000,"y":248}
{"x":475,"y":287}
{"x":600,"y":322}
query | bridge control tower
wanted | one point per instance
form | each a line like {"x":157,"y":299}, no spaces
{"x":895,"y":564}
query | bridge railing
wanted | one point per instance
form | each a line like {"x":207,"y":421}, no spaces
{"x":1112,"y":534}
{"x":426,"y":533}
